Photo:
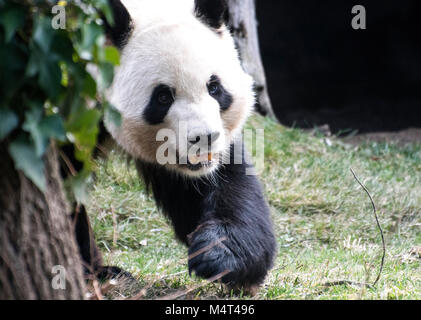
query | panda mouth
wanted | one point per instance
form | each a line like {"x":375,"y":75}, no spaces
{"x":198,"y":162}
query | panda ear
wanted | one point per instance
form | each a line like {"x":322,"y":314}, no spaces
{"x":120,"y":30}
{"x":212,"y":12}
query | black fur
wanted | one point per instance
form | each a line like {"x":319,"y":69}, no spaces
{"x":225,"y":220}
{"x":120,"y":31}
{"x":223,"y":97}
{"x":90,"y":253}
{"x":156,"y":111}
{"x":230,"y":209}
{"x":211,"y":12}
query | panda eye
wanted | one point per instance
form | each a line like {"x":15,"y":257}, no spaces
{"x":214,"y":88}
{"x":165,"y":97}
{"x":219,"y":93}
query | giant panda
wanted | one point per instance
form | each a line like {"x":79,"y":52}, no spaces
{"x":179,"y":65}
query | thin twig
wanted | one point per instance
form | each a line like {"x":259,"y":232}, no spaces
{"x":115,"y":228}
{"x":207,"y":248}
{"x":378,"y":226}
{"x":182,"y":293}
{"x":97,"y":290}
{"x":364,"y":284}
{"x":68,"y":163}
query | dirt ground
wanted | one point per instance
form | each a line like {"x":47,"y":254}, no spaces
{"x":411,"y":135}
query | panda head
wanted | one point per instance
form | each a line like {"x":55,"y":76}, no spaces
{"x":180,"y":87}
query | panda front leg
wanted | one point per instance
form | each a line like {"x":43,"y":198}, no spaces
{"x":241,"y":256}
{"x":235,"y":241}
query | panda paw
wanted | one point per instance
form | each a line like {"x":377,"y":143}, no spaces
{"x":211,"y":257}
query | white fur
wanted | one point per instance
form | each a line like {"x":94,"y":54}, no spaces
{"x":169,"y":45}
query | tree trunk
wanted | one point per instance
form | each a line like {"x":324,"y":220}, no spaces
{"x":36,"y":235}
{"x":243,"y":24}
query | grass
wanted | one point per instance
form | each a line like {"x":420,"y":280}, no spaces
{"x":323,"y":221}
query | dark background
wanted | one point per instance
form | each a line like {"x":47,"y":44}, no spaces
{"x":322,"y":71}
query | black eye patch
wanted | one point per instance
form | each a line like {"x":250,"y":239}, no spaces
{"x":219,"y":93}
{"x":162,"y":99}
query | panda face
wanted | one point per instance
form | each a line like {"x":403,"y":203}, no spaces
{"x":180,"y":88}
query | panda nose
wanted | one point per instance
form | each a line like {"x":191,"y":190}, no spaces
{"x":210,"y":138}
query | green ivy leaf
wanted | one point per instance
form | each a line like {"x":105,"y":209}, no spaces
{"x":83,"y":127}
{"x":31,"y":125}
{"x":25,"y":158}
{"x":83,"y":119}
{"x":51,"y":66}
{"x":103,"y":6}
{"x":106,"y":70}
{"x":53,"y":127}
{"x":43,"y":34}
{"x":89,"y":86}
{"x":110,"y":54}
{"x":8,"y":122}
{"x":80,"y":185}
{"x":62,"y":46}
{"x":112,"y":115}
{"x":48,"y":67}
{"x":42,"y":129}
{"x":90,"y":33}
{"x":50,"y":76}
{"x":33,"y":64}
{"x":12,"y":18}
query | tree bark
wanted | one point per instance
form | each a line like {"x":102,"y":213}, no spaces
{"x":36,"y":234}
{"x":243,"y":24}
